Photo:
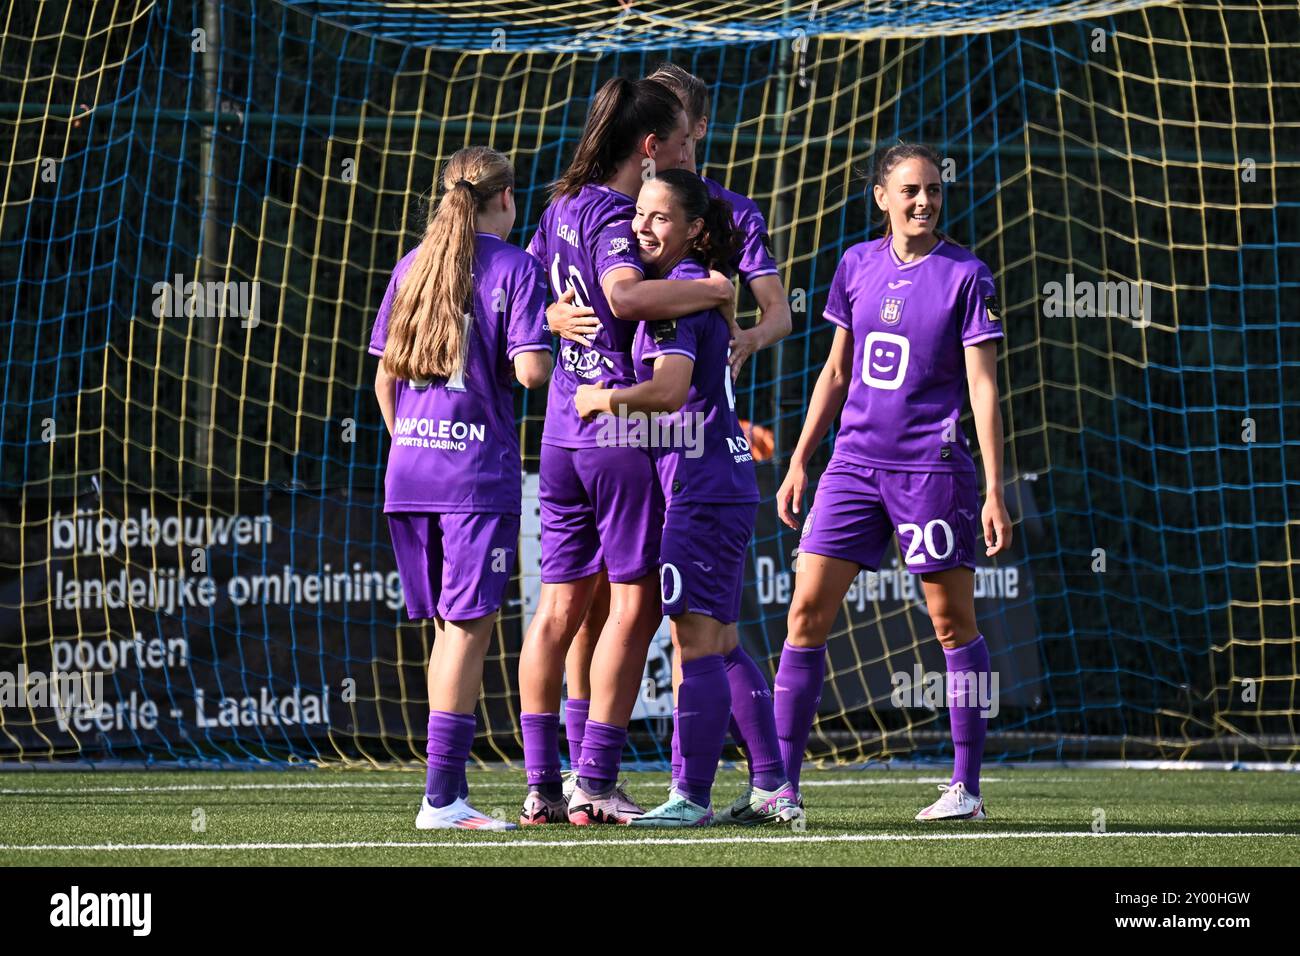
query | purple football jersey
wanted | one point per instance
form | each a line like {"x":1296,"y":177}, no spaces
{"x":455,"y":446}
{"x":754,"y":258}
{"x":578,"y":241}
{"x":708,"y":458}
{"x":910,"y":322}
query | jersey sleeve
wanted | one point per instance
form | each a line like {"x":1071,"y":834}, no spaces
{"x":981,"y":318}
{"x":616,"y":249}
{"x":379,"y":332}
{"x":537,"y":247}
{"x":839,"y":309}
{"x":673,"y":337}
{"x":526,"y":329}
{"x":755,"y":257}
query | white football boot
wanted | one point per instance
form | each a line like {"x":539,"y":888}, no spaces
{"x":538,"y":810}
{"x":457,"y":815}
{"x":955,"y":804}
{"x":615,"y":807}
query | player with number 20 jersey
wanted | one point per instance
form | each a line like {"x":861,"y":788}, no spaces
{"x":901,"y":459}
{"x":917,"y":322}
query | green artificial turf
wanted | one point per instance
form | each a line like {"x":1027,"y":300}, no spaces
{"x":1036,"y":817}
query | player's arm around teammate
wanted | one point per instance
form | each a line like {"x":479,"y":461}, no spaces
{"x":630,"y":296}
{"x":637,"y":300}
{"x":462,"y":318}
{"x":917,"y":321}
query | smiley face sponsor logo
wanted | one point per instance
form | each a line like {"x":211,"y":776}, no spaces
{"x":884,"y":360}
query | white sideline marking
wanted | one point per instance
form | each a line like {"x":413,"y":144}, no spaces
{"x":190,"y":787}
{"x":508,"y":843}
{"x":412,"y":783}
{"x":879,"y":781}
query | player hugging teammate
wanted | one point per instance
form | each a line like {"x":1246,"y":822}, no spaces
{"x":601,"y":510}
{"x":577,"y":617}
{"x":682,"y":368}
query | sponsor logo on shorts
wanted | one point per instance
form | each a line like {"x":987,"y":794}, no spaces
{"x":665,"y":330}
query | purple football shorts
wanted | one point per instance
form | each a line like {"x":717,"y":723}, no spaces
{"x":858,"y":508}
{"x":702,"y":560}
{"x":601,"y":508}
{"x":456,"y":566}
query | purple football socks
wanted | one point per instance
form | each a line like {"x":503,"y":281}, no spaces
{"x":542,"y":753}
{"x":796,"y":695}
{"x":575,"y":724}
{"x":732,"y":727}
{"x":677,"y":748}
{"x":450,"y":738}
{"x":968,"y":671}
{"x":704,"y":700}
{"x":602,"y":754}
{"x":753,"y":721}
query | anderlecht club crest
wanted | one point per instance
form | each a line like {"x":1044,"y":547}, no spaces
{"x":891,"y":309}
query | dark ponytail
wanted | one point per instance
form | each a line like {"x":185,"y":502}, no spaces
{"x":718,"y":241}
{"x":622,"y":114}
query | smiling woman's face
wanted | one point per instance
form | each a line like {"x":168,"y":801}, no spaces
{"x":912,"y":197}
{"x":662,"y":232}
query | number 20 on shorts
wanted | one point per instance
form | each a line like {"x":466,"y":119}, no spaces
{"x":927,"y":537}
